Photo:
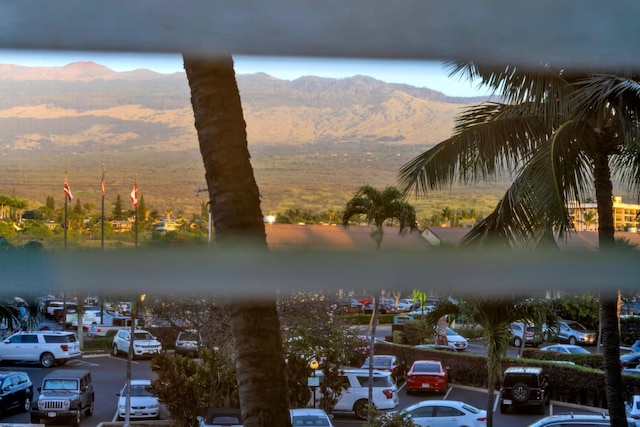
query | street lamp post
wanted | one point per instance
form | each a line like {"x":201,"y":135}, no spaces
{"x":313,"y":380}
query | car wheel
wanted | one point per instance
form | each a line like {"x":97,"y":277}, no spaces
{"x":47,"y":360}
{"x":360,"y":408}
{"x":504,"y":408}
{"x":89,"y":410}
{"x":114,"y":352}
{"x":35,"y":420}
{"x":572,"y":340}
{"x":75,"y":421}
{"x":517,"y":342}
{"x":521,"y":392}
{"x":26,"y":404}
{"x":541,"y":410}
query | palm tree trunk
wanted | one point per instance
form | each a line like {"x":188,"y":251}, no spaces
{"x":235,"y":208}
{"x":609,"y":297}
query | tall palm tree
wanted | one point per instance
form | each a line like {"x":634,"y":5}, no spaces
{"x":562,"y":134}
{"x":235,"y":209}
{"x":379,"y":206}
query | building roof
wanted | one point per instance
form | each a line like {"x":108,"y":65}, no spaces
{"x":577,"y":240}
{"x":353,"y":237}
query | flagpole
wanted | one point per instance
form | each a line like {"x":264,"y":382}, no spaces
{"x":135,"y":209}
{"x":66,"y":196}
{"x":102,"y":221}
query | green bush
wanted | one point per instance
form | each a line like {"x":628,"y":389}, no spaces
{"x":594,"y":361}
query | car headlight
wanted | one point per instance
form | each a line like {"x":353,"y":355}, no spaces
{"x":122,"y":407}
{"x":154,"y":406}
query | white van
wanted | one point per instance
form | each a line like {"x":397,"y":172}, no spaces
{"x":355,"y":397}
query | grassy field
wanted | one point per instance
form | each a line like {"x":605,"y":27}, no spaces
{"x":315,"y":177}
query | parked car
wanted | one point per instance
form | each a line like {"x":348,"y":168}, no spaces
{"x":565,"y":349}
{"x":571,"y":332}
{"x":188,"y":343}
{"x":47,"y":347}
{"x":445,"y":413}
{"x":221,"y":417}
{"x":64,"y":394}
{"x":579,"y":420}
{"x":519,"y":333}
{"x":456,"y":340}
{"x":407,"y":304}
{"x":524,"y":387}
{"x":439,"y":347}
{"x":630,"y":360}
{"x":427,"y":375}
{"x":633,"y":408}
{"x":16,"y":392}
{"x":310,"y":417}
{"x":389,"y":363}
{"x":355,"y":397}
{"x":144,"y":344}
{"x":347,"y":305}
{"x":142,"y":403}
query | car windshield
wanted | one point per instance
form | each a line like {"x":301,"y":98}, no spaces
{"x":578,"y":350}
{"x":142,"y":336}
{"x":384,"y":362}
{"x":138,"y":390}
{"x":451,"y":332}
{"x":56,"y":384}
{"x":576,"y":326}
{"x":426,"y":367}
{"x":309,"y":420}
{"x":187,"y":336}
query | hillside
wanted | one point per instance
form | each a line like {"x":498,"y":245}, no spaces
{"x":313,"y":140}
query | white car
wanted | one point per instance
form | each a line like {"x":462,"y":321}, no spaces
{"x":445,"y":413}
{"x":355,"y":397}
{"x":47,"y":347}
{"x":144,"y":344}
{"x":633,"y":409}
{"x":456,"y":340}
{"x":310,"y":417}
{"x":565,"y":349}
{"x":143,"y":404}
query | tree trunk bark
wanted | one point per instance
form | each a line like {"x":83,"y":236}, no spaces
{"x":236,"y":214}
{"x":609,"y":297}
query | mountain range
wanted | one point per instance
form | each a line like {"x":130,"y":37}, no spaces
{"x":313,"y":140}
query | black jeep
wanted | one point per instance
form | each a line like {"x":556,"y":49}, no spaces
{"x":523,"y":387}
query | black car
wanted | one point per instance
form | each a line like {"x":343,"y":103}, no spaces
{"x":524,"y":386}
{"x":630,"y":360}
{"x":16,"y":391}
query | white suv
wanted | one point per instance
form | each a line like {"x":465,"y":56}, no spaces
{"x":144,"y":344}
{"x":46,"y":347}
{"x":355,"y":397}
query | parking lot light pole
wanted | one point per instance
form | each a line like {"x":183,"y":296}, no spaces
{"x":314,"y":381}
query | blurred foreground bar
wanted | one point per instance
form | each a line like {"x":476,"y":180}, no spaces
{"x":570,"y":32}
{"x":253,"y":274}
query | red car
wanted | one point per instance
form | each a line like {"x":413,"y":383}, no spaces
{"x":427,"y":375}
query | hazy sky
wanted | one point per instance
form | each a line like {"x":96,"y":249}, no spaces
{"x":429,"y":74}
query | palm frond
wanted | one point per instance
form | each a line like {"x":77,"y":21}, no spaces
{"x":516,"y":85}
{"x":491,"y":140}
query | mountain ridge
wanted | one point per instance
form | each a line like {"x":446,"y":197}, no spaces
{"x":313,"y":140}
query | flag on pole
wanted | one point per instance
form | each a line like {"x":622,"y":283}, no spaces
{"x":67,"y":189}
{"x":102,"y":184}
{"x":134,"y":195}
